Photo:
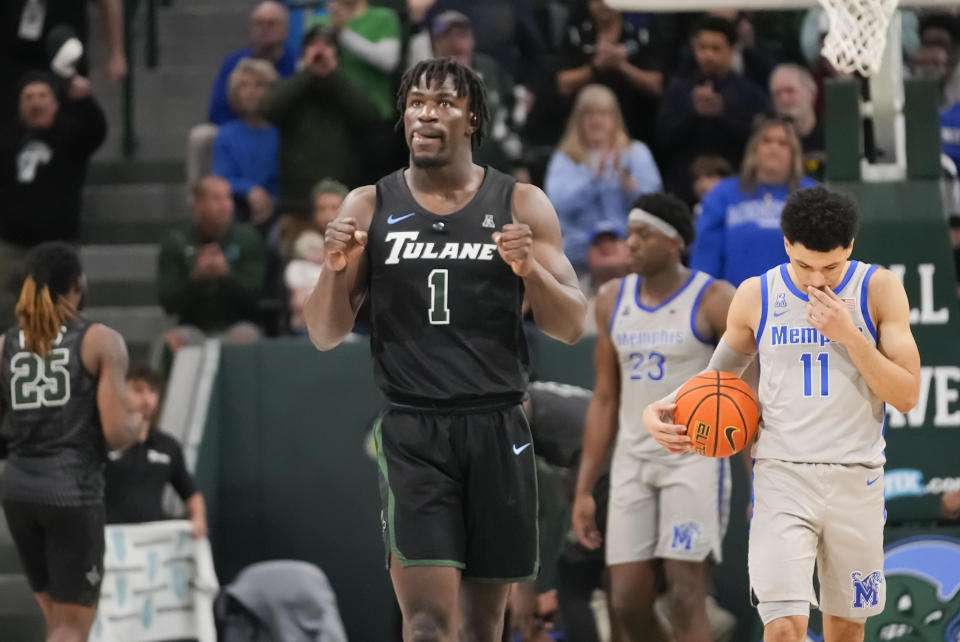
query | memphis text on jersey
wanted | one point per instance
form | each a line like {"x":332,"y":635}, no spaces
{"x":801,"y":335}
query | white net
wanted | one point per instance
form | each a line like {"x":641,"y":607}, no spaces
{"x":858,"y":33}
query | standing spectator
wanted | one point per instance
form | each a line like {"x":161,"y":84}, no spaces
{"x":245,"y":151}
{"x":137,"y":477}
{"x":43,"y":165}
{"x":943,"y":30}
{"x":210,"y":272}
{"x":597,"y":171}
{"x":510,"y":34}
{"x":794,"y":93}
{"x":605,"y":49}
{"x":323,"y":122}
{"x":369,"y":43}
{"x":269,"y":24}
{"x":752,"y":57}
{"x":709,"y":113}
{"x":452,"y":36}
{"x":31,"y":32}
{"x":738,"y":233}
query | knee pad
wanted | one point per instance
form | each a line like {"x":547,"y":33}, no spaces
{"x":770,"y":611}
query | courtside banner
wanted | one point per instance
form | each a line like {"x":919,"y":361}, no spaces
{"x":904,"y":230}
{"x":159,"y":584}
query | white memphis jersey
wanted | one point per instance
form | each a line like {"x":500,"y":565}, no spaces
{"x":815,"y":405}
{"x":659,"y":349}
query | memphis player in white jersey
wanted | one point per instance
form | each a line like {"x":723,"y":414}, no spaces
{"x":834,"y":341}
{"x":657,"y":327}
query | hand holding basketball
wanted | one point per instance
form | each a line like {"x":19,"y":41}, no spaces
{"x":342,"y":242}
{"x":658,"y":418}
{"x":827,"y":313}
{"x":515,"y":245}
{"x":720,"y":413}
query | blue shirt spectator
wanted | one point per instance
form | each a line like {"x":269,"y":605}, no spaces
{"x":245,"y":149}
{"x":269,"y":25}
{"x":738,"y":231}
{"x":597,"y":171}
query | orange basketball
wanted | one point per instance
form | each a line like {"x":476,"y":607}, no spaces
{"x":720,"y":412}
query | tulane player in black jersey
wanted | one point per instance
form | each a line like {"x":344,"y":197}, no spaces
{"x":447,"y":252}
{"x":64,"y":403}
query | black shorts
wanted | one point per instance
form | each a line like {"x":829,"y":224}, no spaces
{"x":61,"y":549}
{"x":460,"y":490}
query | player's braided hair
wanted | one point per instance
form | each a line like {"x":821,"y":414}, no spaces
{"x":53,"y":269}
{"x":466,"y":81}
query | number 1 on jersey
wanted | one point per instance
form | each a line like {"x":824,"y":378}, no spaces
{"x":439,"y":313}
{"x":807,"y":360}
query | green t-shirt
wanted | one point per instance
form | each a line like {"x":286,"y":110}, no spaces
{"x":375,"y":24}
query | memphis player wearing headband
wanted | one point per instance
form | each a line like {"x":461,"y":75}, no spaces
{"x":656,"y":327}
{"x":834,"y":343}
{"x":447,"y":252}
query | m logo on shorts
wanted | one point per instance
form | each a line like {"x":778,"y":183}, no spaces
{"x":866,"y":590}
{"x":683,"y":535}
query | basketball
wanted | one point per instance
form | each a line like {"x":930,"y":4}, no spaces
{"x":720,"y":412}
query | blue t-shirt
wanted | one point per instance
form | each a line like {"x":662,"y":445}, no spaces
{"x":246,"y":157}
{"x":738,"y":233}
{"x":950,"y":132}
{"x":220,"y":111}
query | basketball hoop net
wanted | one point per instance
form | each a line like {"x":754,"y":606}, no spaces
{"x":857,"y":34}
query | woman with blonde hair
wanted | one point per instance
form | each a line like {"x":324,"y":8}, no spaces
{"x":738,"y":231}
{"x":597,"y":171}
{"x":245,"y":150}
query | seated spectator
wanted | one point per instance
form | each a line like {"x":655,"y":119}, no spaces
{"x":210,"y":272}
{"x":794,"y":94}
{"x":452,"y":36}
{"x":323,"y":122}
{"x":369,"y":49}
{"x":607,"y":258}
{"x":605,"y":49}
{"x":303,"y":270}
{"x":269,"y":24}
{"x":738,"y":233}
{"x":245,"y":151}
{"x":707,"y":171}
{"x":708,"y":113}
{"x":43,"y":166}
{"x":596,"y":172}
{"x":137,"y":477}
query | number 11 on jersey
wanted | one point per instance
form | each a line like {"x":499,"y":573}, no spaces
{"x":439,"y":313}
{"x":807,"y":360}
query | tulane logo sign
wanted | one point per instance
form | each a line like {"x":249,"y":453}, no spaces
{"x":923,"y":592}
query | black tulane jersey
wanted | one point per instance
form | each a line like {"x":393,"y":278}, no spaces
{"x":445,"y":308}
{"x":52,"y":427}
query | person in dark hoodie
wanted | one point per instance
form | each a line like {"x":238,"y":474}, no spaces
{"x":43,"y":165}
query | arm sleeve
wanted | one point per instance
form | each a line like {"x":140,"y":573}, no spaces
{"x":676,"y":117}
{"x":384,"y":54}
{"x":707,"y":253}
{"x":568,"y":186}
{"x":180,"y":478}
{"x":644,"y":170}
{"x":286,"y":96}
{"x":725,"y":359}
{"x":91,"y":124}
